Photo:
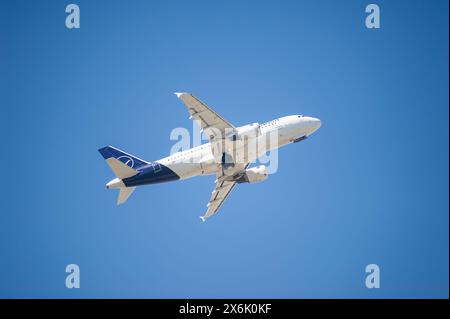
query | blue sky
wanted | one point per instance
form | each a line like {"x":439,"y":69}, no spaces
{"x":371,"y":186}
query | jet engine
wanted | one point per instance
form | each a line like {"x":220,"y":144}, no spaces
{"x":254,"y":175}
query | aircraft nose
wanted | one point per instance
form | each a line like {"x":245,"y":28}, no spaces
{"x":316,"y":123}
{"x":313,"y":124}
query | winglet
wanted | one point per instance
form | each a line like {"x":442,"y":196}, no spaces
{"x":178,"y":94}
{"x":203,"y":218}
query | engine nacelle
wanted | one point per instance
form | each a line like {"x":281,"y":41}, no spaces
{"x":249,"y":131}
{"x":254,"y":175}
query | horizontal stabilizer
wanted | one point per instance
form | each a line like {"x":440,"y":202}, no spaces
{"x":124,"y":193}
{"x":120,"y":169}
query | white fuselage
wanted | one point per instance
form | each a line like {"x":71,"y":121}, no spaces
{"x":201,"y":161}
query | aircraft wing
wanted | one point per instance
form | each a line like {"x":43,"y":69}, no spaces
{"x":211,"y":122}
{"x":222,"y":190}
{"x":218,"y":196}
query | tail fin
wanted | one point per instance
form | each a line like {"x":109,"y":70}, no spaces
{"x":124,"y":193}
{"x":127,"y":159}
{"x":123,"y":165}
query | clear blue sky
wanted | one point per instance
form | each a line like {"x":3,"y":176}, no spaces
{"x":371,"y":186}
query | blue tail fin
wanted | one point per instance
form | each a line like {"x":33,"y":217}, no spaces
{"x":128,"y":159}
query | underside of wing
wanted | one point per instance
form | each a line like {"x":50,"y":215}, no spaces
{"x":211,"y":123}
{"x":218,"y":196}
{"x":224,"y":186}
{"x":218,"y":130}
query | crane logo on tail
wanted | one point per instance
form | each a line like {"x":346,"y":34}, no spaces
{"x":126,"y":160}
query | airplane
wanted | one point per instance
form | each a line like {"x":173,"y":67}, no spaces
{"x":223,"y":156}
